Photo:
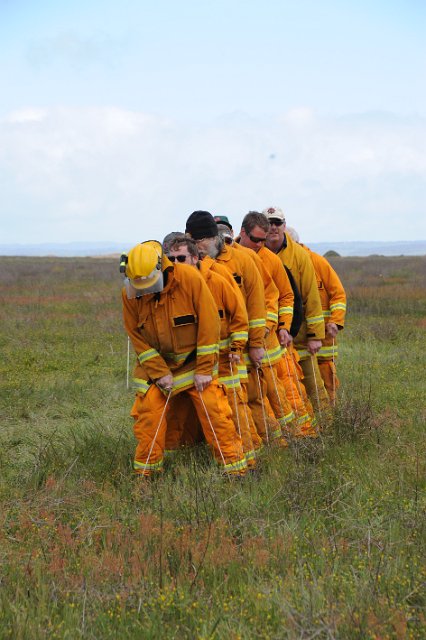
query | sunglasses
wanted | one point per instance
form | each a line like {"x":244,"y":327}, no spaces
{"x":180,"y":258}
{"x":277,"y":222}
{"x":255,"y":239}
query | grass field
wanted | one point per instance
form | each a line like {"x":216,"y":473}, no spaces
{"x":328,"y":542}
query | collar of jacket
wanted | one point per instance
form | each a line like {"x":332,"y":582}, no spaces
{"x":170,"y":280}
{"x":205,"y":266}
{"x":226,"y":253}
{"x":281,"y":247}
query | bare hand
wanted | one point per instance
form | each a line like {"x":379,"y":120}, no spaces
{"x":234,"y":357}
{"x":256,"y":354}
{"x":201,"y":381}
{"x":314,"y":346}
{"x":284,"y":338}
{"x":165,"y":383}
{"x":331,"y":329}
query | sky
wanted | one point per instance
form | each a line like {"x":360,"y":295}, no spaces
{"x":118,"y":119}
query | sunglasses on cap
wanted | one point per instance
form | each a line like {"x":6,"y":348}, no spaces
{"x":180,"y":258}
{"x":277,"y":222}
{"x":255,"y":239}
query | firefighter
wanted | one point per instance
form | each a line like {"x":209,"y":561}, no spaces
{"x":309,"y":339}
{"x":173,"y":324}
{"x":333,"y":301}
{"x":253,"y":234}
{"x":252,"y":239}
{"x":201,"y":226}
{"x":233,"y":338}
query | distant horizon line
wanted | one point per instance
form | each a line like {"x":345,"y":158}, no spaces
{"x":103,"y":248}
{"x":130,"y":243}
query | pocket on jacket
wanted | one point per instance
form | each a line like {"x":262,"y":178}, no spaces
{"x":185,"y":331}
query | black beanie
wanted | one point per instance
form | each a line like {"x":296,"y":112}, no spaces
{"x":201,"y":224}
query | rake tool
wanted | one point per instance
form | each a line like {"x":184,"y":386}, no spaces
{"x":128,"y":362}
{"x":316,"y":386}
{"x":334,"y":378}
{"x":235,"y":398}
{"x":263,"y":404}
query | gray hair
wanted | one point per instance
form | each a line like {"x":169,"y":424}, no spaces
{"x":225,"y":233}
{"x":183,"y":241}
{"x":171,"y":238}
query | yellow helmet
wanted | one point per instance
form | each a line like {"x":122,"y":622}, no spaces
{"x":143,"y":267}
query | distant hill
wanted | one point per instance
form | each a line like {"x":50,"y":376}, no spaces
{"x":92,"y":249}
{"x":406,"y":248}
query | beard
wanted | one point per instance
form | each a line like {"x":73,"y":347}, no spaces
{"x":211,"y":250}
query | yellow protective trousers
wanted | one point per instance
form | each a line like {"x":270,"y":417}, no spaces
{"x":255,"y":436}
{"x":306,"y":399}
{"x":183,"y":426}
{"x":214,"y":414}
{"x":277,"y":396}
{"x":241,"y":413}
{"x":290,"y":373}
{"x":329,"y":376}
{"x":314,"y":384}
{"x":267,"y":426}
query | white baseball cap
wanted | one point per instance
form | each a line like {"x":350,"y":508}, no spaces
{"x":275,"y":213}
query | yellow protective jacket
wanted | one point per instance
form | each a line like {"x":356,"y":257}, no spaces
{"x":223,"y":271}
{"x":274,"y":351}
{"x":270,"y":291}
{"x":230,"y":305}
{"x":295,"y":258}
{"x":281,"y":281}
{"x":248,"y":279}
{"x":333,"y":298}
{"x":175,"y":331}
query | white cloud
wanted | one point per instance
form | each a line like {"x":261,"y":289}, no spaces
{"x":111,"y":174}
{"x":298,"y":117}
{"x":21,"y":116}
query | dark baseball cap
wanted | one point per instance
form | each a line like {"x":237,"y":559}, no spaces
{"x":223,"y":220}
